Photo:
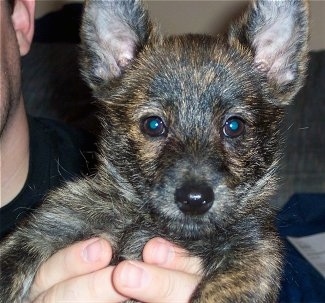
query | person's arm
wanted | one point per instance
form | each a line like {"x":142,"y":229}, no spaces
{"x":81,"y":271}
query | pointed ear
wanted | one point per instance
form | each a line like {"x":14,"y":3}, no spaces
{"x":112,"y":33}
{"x":276,"y":32}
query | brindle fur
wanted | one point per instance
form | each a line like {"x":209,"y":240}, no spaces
{"x":194,"y":83}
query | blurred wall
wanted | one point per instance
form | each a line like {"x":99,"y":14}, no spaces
{"x":202,"y":16}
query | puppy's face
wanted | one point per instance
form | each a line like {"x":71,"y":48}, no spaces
{"x":195,"y":133}
{"x":192,"y":122}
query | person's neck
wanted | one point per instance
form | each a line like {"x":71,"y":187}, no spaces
{"x":14,"y":156}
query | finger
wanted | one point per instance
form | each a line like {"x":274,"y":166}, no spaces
{"x":75,"y":260}
{"x":165,"y":254}
{"x":94,"y":287}
{"x":149,"y":283}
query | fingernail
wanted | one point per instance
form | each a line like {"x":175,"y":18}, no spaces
{"x":93,"y":251}
{"x":133,"y":276}
{"x":162,"y":252}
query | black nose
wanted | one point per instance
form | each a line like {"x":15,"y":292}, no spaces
{"x":194,"y":199}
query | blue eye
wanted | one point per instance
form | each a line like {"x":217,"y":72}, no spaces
{"x":154,"y":126}
{"x":234,"y":127}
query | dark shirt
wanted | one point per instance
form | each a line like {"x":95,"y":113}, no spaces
{"x":57,"y":154}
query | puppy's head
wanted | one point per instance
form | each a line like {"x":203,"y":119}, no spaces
{"x":192,"y":122}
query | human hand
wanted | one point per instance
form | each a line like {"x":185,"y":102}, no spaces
{"x":81,"y":273}
{"x":167,"y":274}
{"x":78,"y":273}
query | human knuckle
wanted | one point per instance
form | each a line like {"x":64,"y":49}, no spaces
{"x":41,"y":280}
{"x":168,"y":289}
{"x":49,"y":296}
{"x":95,"y":284}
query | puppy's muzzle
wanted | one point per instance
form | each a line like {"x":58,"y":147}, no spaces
{"x":194,"y":198}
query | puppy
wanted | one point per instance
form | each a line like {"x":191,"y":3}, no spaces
{"x":189,"y":148}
